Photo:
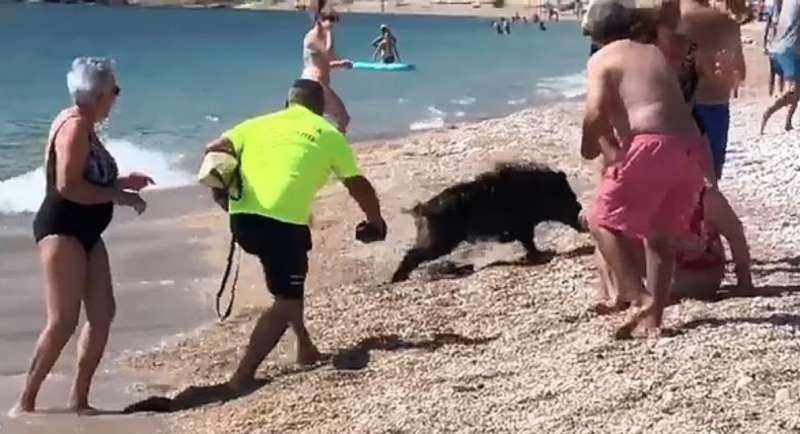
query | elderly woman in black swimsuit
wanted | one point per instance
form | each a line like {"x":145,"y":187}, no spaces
{"x":82,"y":188}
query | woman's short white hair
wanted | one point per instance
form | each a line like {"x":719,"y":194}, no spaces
{"x":88,"y":78}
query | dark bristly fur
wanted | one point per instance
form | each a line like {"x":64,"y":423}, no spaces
{"x":504,"y":205}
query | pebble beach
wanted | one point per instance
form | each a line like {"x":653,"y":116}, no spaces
{"x":512,"y":349}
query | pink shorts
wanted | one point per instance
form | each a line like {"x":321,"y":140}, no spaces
{"x":655,"y":189}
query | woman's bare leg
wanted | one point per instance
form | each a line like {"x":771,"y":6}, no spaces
{"x":65,"y":269}
{"x":335,"y":107}
{"x":720,"y":216}
{"x":98,"y":301}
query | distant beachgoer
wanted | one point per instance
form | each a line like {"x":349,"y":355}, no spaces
{"x":504,"y":26}
{"x":552,"y":14}
{"x":285,"y":158}
{"x":785,"y":51}
{"x":770,"y":27}
{"x":721,"y":69}
{"x":536,"y":18}
{"x":386,"y":46}
{"x":542,"y":26}
{"x":82,"y":188}
{"x":319,"y":58}
{"x":497,"y":27}
{"x":656,"y":158}
{"x":525,"y":20}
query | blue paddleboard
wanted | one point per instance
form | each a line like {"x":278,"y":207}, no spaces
{"x":377,"y":66}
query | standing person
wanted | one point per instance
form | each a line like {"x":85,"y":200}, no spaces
{"x":507,"y":26}
{"x":319,"y":58}
{"x":720,"y":67}
{"x":385,"y":33}
{"x":386,"y":46}
{"x":285,"y":158}
{"x":82,"y":188}
{"x":785,"y":52}
{"x":637,"y":120}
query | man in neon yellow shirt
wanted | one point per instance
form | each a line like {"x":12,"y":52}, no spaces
{"x":285,"y":158}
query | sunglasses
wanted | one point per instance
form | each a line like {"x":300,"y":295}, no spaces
{"x":116,"y":91}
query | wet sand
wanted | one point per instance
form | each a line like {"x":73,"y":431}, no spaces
{"x":162,"y":286}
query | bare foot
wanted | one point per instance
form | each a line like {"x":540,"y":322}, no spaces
{"x":85,"y":410}
{"x":763,"y":124}
{"x":607,"y":308}
{"x":308,"y":356}
{"x":647,"y":319}
{"x":239,"y":385}
{"x":19,"y":410}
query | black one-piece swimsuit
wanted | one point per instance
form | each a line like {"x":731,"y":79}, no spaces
{"x":60,"y":216}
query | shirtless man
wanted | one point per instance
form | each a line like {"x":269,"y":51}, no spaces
{"x":319,"y":58}
{"x":720,"y":68}
{"x":637,"y":120}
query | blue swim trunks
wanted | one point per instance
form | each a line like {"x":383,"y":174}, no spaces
{"x":789,"y":62}
{"x":716,"y":120}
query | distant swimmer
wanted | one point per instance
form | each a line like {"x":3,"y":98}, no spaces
{"x":497,"y":27}
{"x":319,"y":58}
{"x":542,"y":26}
{"x":386,"y":46}
{"x":504,"y":26}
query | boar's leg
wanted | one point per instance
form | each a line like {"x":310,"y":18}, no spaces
{"x":420,"y":254}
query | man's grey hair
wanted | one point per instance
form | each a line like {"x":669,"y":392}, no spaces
{"x":88,"y":78}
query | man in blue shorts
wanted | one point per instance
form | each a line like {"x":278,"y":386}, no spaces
{"x":785,"y":52}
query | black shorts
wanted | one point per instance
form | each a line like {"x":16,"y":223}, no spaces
{"x":281,"y":247}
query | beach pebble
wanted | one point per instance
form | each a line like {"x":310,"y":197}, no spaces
{"x":783,"y":396}
{"x":743,"y":382}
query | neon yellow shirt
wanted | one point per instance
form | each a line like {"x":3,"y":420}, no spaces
{"x":285,"y":159}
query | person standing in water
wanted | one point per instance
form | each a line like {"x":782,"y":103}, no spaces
{"x":386,"y":46}
{"x":319,"y":58}
{"x":82,"y":188}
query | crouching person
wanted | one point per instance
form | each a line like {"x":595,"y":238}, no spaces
{"x":285,"y":158}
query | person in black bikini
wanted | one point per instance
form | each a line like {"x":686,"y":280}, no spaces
{"x":82,"y":188}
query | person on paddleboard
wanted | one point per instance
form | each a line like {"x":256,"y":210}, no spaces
{"x":385,"y":46}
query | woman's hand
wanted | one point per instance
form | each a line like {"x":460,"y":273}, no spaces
{"x":135,"y":181}
{"x":133,"y":200}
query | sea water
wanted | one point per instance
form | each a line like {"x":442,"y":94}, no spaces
{"x":188,"y":75}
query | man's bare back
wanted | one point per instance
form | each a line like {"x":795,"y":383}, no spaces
{"x":638,"y":90}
